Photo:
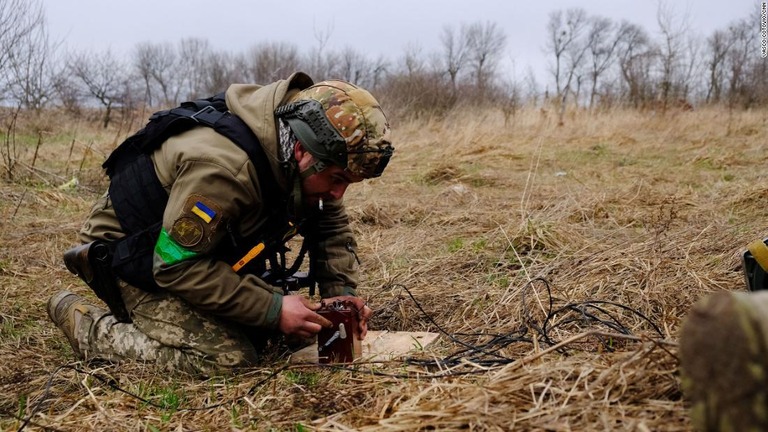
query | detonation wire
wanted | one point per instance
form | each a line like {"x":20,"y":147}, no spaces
{"x":484,"y":354}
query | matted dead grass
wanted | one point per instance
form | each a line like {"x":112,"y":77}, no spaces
{"x":558,"y":262}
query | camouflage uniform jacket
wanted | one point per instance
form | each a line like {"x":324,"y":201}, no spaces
{"x":212,"y":184}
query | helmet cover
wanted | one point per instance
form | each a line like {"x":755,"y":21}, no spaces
{"x":341,"y":124}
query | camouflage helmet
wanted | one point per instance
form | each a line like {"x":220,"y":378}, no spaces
{"x":340,"y":124}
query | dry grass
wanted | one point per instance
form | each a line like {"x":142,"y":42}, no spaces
{"x":493,"y":229}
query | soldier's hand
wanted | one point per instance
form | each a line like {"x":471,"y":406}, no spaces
{"x":298,"y":317}
{"x":364,"y":312}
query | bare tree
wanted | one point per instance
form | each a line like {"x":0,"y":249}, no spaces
{"x":562,"y":37}
{"x":509,"y":96}
{"x":158,"y":66}
{"x":742,"y":37}
{"x":412,"y":61}
{"x":320,"y":63}
{"x":222,"y":69}
{"x":379,"y":69}
{"x":102,"y":77}
{"x":18,"y":19}
{"x":718,"y":46}
{"x":33,"y":69}
{"x":486,"y":42}
{"x":455,"y":52}
{"x":635,"y":54}
{"x":692,"y":72}
{"x":143,"y":60}
{"x":356,"y":68}
{"x":416,"y":86}
{"x":193,"y":57}
{"x":67,"y":90}
{"x":758,"y":81}
{"x":672,"y":59}
{"x":532,"y":90}
{"x":569,"y":45}
{"x":602,"y":42}
{"x":269,"y":61}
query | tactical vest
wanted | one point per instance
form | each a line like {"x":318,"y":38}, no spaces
{"x":139,"y":198}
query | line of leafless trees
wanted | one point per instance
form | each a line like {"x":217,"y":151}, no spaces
{"x":594,"y":62}
{"x":598,"y":62}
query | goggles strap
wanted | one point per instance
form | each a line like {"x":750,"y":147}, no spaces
{"x":315,"y":168}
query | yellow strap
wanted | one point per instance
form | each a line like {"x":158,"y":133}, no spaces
{"x":256,"y":250}
{"x":759,"y":251}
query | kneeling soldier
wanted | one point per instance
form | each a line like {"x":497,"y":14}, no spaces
{"x":190,"y":235}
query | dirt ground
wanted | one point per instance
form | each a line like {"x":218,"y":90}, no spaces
{"x":557,"y":262}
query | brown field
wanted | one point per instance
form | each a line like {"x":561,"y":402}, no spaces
{"x":559,"y":262}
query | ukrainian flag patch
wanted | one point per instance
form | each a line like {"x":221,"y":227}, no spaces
{"x":203,"y":212}
{"x":196,"y":225}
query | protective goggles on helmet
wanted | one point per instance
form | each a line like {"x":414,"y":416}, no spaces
{"x":308,"y":121}
{"x":375,"y":163}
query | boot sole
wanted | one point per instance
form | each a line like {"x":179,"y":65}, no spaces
{"x":53,"y":303}
{"x":723,"y":363}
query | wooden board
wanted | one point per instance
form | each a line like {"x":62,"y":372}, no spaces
{"x":377,"y":346}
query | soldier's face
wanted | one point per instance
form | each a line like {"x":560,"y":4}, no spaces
{"x":329,"y":184}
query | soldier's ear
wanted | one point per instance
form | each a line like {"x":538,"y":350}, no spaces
{"x":299,"y":152}
{"x":304,"y":159}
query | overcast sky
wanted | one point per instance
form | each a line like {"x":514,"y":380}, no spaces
{"x":374,"y":27}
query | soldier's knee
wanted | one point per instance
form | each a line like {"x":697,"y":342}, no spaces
{"x":199,"y":364}
{"x":237,"y":359}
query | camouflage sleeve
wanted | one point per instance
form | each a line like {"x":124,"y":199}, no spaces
{"x":204,"y":198}
{"x":336,"y":252}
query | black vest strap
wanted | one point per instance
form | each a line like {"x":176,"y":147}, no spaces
{"x":137,"y":195}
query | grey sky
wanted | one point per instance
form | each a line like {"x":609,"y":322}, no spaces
{"x":380,"y":27}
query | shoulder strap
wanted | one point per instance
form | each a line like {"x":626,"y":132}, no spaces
{"x":129,"y":163}
{"x":213,"y":112}
{"x":234,"y":128}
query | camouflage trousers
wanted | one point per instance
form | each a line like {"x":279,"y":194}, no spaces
{"x":168,"y":332}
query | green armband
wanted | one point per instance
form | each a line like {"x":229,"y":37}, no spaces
{"x":170,"y":251}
